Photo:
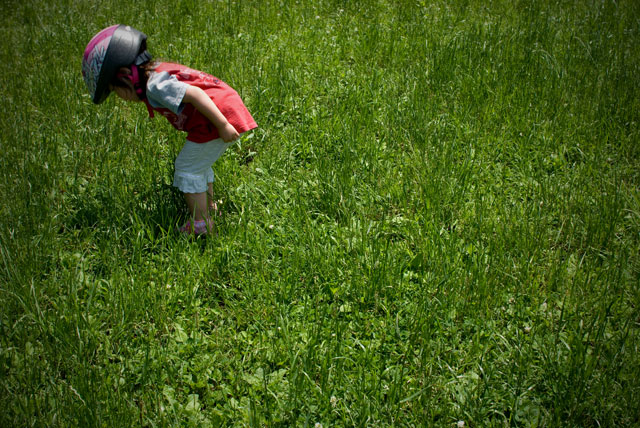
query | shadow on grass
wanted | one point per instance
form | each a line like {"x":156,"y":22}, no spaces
{"x":157,"y":209}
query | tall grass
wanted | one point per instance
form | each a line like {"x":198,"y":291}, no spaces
{"x":437,"y":221}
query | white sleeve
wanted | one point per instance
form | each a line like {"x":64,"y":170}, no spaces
{"x":166,"y":91}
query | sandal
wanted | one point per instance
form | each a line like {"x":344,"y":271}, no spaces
{"x":198,"y":227}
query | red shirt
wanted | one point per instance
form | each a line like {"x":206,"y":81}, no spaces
{"x":198,"y":128}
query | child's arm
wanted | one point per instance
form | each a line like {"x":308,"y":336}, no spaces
{"x":205,"y":105}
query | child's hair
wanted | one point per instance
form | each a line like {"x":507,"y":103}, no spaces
{"x":122,"y":78}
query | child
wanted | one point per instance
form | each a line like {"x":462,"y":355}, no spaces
{"x":209,"y":110}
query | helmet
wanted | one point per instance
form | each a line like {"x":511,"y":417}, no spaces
{"x":114,"y":47}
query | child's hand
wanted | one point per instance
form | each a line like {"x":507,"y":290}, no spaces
{"x":228,"y":133}
{"x":207,"y":107}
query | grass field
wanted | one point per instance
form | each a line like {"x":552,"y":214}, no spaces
{"x":436,"y":224}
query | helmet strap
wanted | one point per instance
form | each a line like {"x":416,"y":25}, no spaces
{"x":135,"y":79}
{"x":142,"y":58}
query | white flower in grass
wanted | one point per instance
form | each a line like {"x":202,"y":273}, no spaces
{"x":333,"y":400}
{"x":460,"y":424}
{"x":318,"y":425}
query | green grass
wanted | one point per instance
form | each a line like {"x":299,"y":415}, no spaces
{"x":438,"y":219}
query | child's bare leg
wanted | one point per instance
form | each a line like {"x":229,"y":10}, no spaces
{"x":197,"y":204}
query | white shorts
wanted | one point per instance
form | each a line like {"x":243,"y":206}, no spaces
{"x":193,"y":165}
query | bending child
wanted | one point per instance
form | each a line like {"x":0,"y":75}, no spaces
{"x":207,"y":109}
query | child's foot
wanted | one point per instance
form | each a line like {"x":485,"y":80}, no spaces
{"x":197,"y":227}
